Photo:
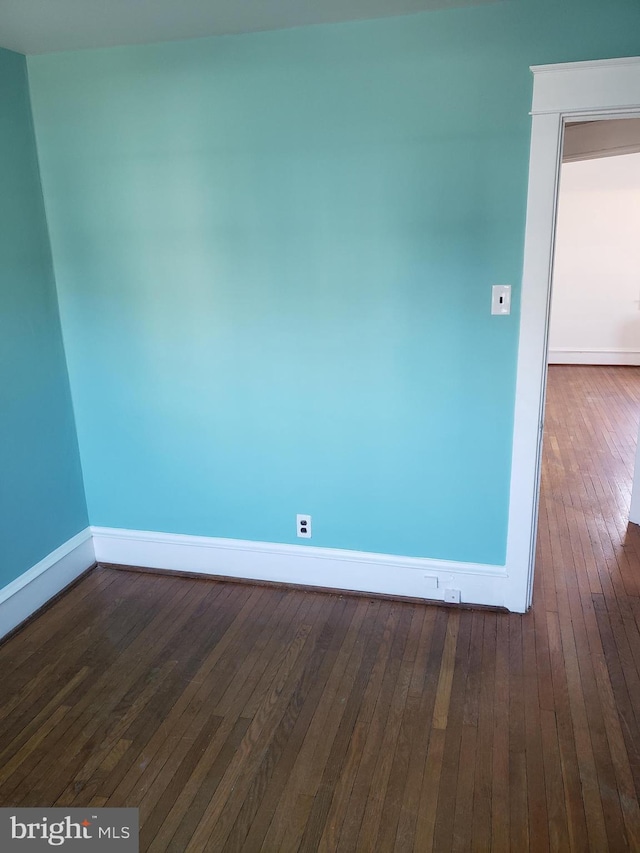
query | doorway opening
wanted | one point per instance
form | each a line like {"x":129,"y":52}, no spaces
{"x":595,"y":297}
{"x":593,"y":383}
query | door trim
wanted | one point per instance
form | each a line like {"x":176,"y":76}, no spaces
{"x":569,"y":92}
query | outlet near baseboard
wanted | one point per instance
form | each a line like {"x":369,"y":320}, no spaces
{"x":303,"y":526}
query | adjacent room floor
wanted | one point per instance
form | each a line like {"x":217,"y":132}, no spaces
{"x":247,"y":718}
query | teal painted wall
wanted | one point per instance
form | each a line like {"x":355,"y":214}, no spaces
{"x":41,"y":494}
{"x":274,"y":255}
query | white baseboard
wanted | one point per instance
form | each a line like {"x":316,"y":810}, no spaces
{"x":308,"y":565}
{"x":561,"y":355}
{"x":28,"y":592}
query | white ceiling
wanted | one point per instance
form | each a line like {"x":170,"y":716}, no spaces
{"x":587,"y":140}
{"x":43,"y":26}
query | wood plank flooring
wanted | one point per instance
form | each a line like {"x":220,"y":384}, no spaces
{"x":242,"y":718}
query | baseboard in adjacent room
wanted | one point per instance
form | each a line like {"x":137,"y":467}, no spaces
{"x":22,"y":597}
{"x":325,"y":568}
{"x":562,"y":355}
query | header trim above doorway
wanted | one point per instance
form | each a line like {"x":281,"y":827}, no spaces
{"x":609,"y":85}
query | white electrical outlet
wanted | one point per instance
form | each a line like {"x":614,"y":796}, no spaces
{"x":452,"y":596}
{"x":303,"y":525}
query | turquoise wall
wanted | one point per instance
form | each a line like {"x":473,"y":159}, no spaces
{"x":274,"y":255}
{"x":41,"y":495}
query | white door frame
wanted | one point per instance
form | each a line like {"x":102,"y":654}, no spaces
{"x":572,"y":91}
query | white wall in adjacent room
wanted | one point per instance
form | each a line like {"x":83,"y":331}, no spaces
{"x":595,"y":312}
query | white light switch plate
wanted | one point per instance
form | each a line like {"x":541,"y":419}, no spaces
{"x":501,"y":299}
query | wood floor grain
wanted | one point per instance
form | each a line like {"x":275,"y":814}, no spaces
{"x":241,"y":718}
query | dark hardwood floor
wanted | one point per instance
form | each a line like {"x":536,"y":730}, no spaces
{"x":243,"y":718}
